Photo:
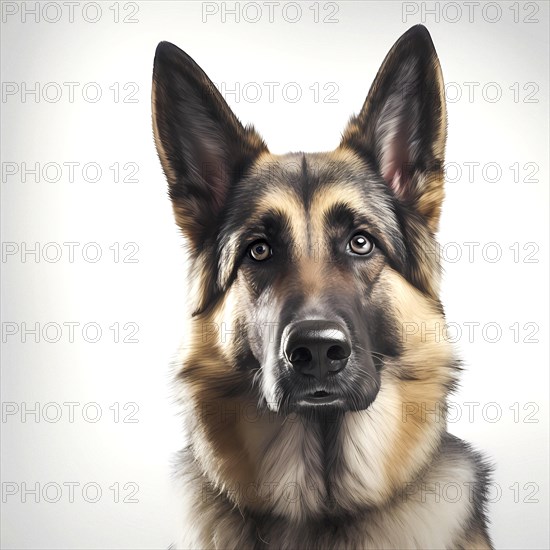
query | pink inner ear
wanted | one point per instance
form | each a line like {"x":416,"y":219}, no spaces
{"x":393,"y":162}
{"x":394,"y":181}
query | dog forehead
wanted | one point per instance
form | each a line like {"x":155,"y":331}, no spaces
{"x":304,"y":184}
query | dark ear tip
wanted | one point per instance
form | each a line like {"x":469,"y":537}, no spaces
{"x":168,"y":54}
{"x":419,"y":30}
{"x":418,"y":37}
{"x":166,"y":49}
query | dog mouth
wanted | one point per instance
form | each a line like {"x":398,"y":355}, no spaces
{"x":319,"y":398}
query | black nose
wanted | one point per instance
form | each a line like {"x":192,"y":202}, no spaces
{"x":317,"y":348}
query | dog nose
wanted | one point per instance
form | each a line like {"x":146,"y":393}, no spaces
{"x":317,"y":348}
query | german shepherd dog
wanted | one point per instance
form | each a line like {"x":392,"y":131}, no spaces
{"x":316,"y":372}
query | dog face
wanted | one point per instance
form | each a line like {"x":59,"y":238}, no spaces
{"x":315,"y":276}
{"x":303,"y":250}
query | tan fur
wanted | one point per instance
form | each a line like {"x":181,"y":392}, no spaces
{"x":425,"y":353}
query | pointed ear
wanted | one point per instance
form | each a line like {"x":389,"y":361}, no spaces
{"x":401,"y":128}
{"x":202,"y":146}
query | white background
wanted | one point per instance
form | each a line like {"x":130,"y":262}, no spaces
{"x":494,"y":45}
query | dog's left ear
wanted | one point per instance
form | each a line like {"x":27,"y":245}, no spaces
{"x":401,"y":128}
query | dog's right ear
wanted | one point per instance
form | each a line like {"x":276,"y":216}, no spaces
{"x":202,"y":146}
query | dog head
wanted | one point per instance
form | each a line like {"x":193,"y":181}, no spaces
{"x":314,"y":276}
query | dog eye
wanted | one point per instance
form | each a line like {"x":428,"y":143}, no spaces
{"x":260,"y":251}
{"x":361,"y":244}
